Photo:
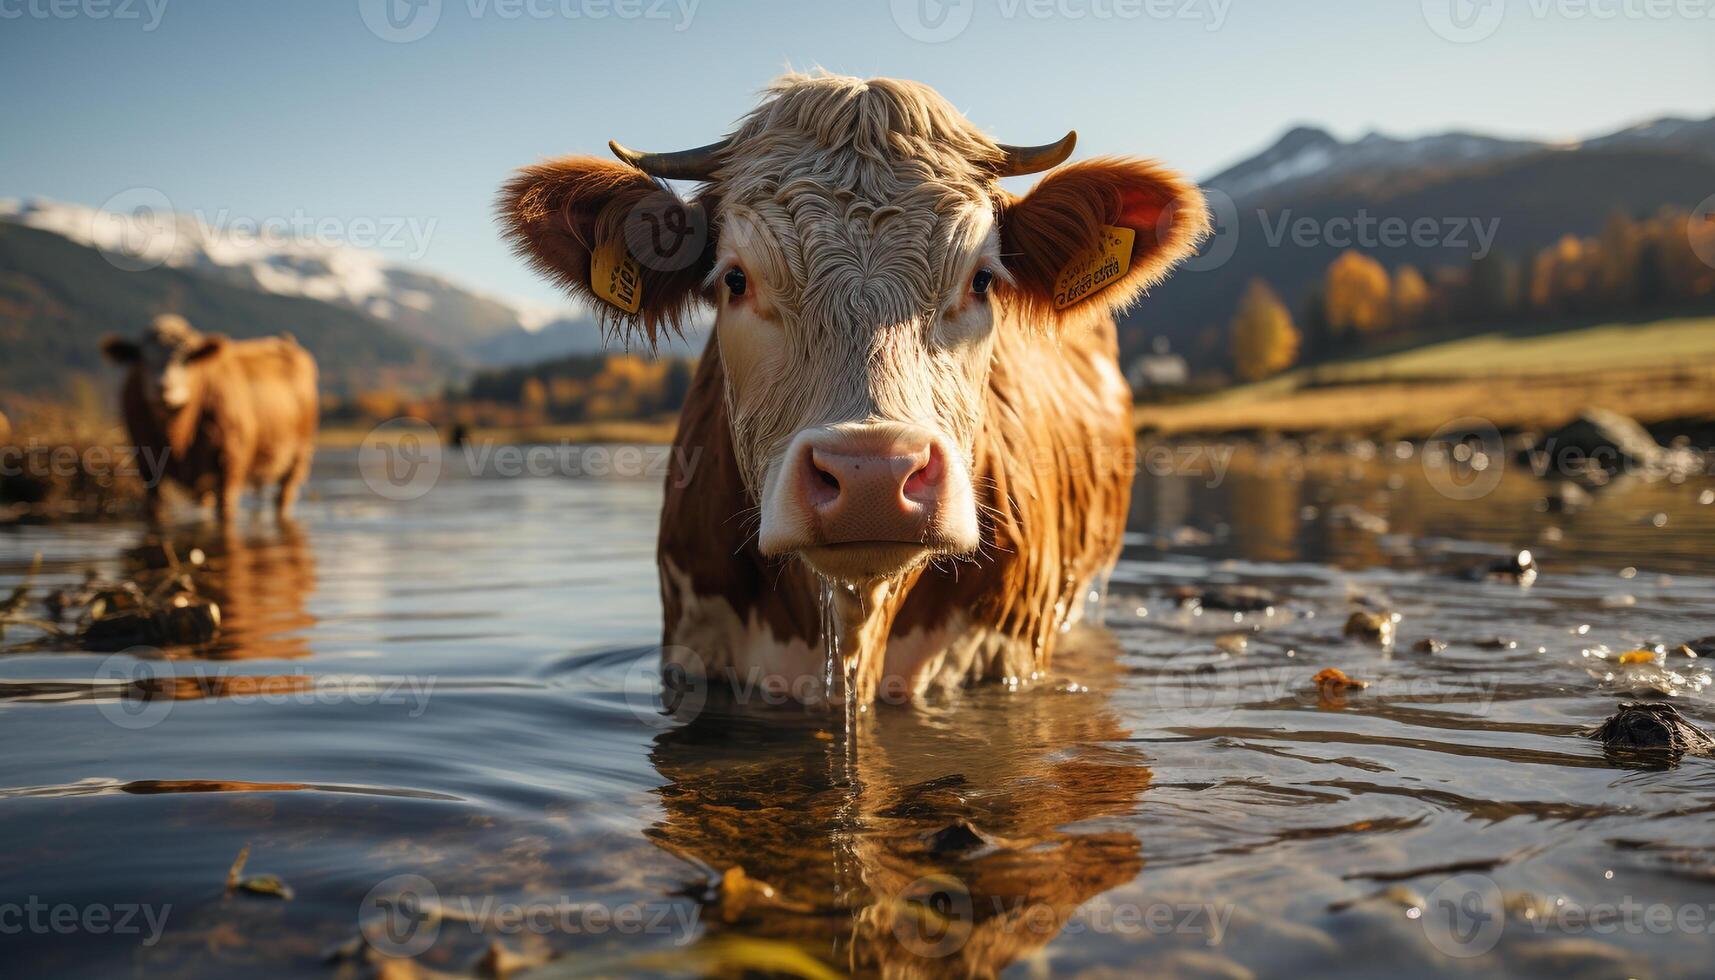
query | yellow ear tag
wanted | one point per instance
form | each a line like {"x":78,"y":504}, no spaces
{"x":1095,"y":268}
{"x":616,"y":277}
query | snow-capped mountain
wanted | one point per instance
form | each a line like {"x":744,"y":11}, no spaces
{"x":1307,"y":156}
{"x":1306,"y":159}
{"x":421,"y":305}
{"x":1693,"y":135}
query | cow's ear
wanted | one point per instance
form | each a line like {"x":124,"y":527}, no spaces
{"x":611,"y":235}
{"x":121,"y":351}
{"x":208,"y":347}
{"x":1091,"y":237}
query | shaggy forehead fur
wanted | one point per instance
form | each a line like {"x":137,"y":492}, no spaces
{"x":857,"y":195}
{"x":860,"y":205}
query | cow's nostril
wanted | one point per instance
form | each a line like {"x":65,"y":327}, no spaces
{"x":925,"y":480}
{"x":823,"y":485}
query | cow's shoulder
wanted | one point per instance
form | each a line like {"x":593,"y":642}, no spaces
{"x":1054,"y":463}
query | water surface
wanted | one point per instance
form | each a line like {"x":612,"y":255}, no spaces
{"x":450,"y":704}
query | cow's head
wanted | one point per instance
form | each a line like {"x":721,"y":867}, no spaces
{"x":860,"y":259}
{"x":163,"y":358}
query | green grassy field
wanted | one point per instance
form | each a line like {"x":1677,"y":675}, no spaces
{"x":1657,"y":370}
{"x":1607,"y":347}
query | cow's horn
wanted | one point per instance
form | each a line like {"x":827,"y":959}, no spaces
{"x":697,"y":164}
{"x":1022,"y":160}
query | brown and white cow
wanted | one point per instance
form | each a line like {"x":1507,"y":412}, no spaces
{"x":214,"y":414}
{"x":909,"y":423}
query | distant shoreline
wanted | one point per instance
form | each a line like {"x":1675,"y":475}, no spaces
{"x":647,"y":432}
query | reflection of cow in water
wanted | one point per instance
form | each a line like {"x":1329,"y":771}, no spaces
{"x":936,"y":848}
{"x":214,"y":414}
{"x":261,"y":578}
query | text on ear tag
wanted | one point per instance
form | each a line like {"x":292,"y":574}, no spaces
{"x":616,"y":277}
{"x":1096,"y":267}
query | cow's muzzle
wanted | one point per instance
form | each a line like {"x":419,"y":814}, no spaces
{"x":861,"y":502}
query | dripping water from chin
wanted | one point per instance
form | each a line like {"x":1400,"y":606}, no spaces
{"x":837,"y":681}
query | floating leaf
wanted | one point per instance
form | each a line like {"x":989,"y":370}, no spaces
{"x":268,"y":885}
{"x":1333,"y":680}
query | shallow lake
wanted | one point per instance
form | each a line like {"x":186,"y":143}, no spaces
{"x":438,"y":723}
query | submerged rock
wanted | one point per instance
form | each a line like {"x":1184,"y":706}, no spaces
{"x":183,"y":619}
{"x":1373,"y":627}
{"x":1357,"y":518}
{"x":958,"y":837}
{"x":1227,"y":598}
{"x":1600,"y":444}
{"x":1604,"y":437}
{"x":1565,"y":497}
{"x":1520,"y":569}
{"x":1652,"y":727}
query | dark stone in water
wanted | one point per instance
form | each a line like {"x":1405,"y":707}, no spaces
{"x":184,"y":620}
{"x":1520,"y":569}
{"x":1373,"y":627}
{"x":1357,"y":518}
{"x":1600,"y":444}
{"x":1227,"y":598}
{"x":1428,"y":645}
{"x":1565,"y":497}
{"x":1606,"y":438}
{"x":1652,"y":726}
{"x":958,"y":837}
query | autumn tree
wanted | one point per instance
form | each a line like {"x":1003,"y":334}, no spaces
{"x":1410,"y":297}
{"x":1357,"y":295}
{"x":1264,"y":340}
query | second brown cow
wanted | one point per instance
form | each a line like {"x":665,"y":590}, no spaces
{"x":216,"y":415}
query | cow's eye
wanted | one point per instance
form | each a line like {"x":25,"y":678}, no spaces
{"x":735,"y":281}
{"x":981,"y":282}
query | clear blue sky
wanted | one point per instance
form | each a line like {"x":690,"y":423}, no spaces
{"x":266,"y":109}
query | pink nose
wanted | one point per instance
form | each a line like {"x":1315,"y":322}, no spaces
{"x":883,"y":486}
